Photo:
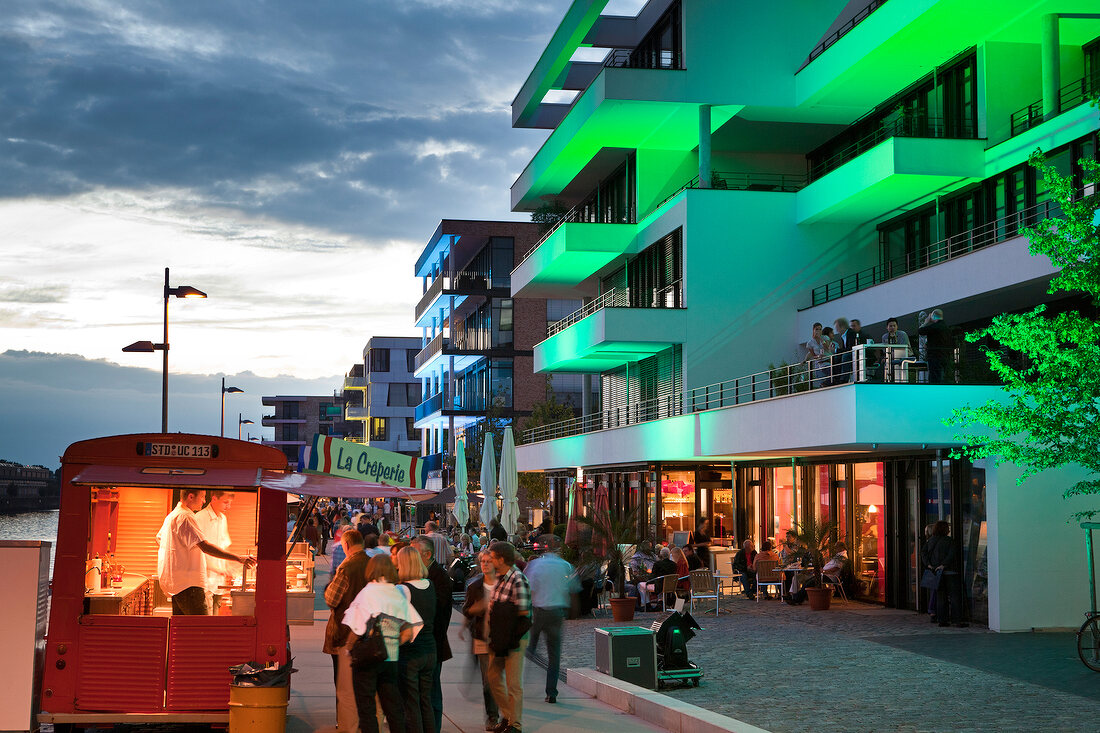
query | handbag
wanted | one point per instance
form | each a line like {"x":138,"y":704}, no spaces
{"x":930,"y":579}
{"x":370,"y":648}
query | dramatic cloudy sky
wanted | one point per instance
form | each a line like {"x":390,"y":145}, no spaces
{"x":289,"y":158}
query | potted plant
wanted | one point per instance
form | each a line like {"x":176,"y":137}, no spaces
{"x":617,"y":534}
{"x":816,"y":541}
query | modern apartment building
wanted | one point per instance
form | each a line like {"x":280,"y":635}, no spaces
{"x":298,"y":418}
{"x":735,"y":173}
{"x":389,"y":393}
{"x":475,"y":351}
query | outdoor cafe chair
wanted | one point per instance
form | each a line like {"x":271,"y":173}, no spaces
{"x":767,"y":575}
{"x":832,"y":580}
{"x":734,"y":578}
{"x":666,"y":585}
{"x":703,"y":588}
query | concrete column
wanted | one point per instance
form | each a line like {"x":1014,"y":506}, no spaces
{"x":1052,"y":72}
{"x":704,"y":146}
{"x":586,"y":394}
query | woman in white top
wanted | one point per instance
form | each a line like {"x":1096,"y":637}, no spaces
{"x":476,"y":610}
{"x":817,"y":354}
{"x":381,"y":599}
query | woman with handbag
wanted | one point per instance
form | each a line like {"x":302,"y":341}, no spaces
{"x":380,"y":618}
{"x":416,"y":662}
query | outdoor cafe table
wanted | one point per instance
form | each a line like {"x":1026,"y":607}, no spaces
{"x":794,"y":570}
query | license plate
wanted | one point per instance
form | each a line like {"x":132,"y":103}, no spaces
{"x":177,"y":450}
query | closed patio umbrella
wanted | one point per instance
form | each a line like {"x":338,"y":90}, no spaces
{"x":462,"y":502}
{"x":601,"y":515}
{"x":574,"y":512}
{"x":488,"y":481}
{"x":509,"y":483}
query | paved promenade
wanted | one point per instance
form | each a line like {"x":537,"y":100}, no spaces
{"x":313,"y":702}
{"x":863,"y":668}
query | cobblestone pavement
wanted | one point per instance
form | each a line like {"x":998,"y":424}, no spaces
{"x":858,"y":667}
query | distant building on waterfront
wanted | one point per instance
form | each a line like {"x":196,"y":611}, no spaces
{"x":387,"y":393}
{"x":27,"y":488}
{"x":297,"y":419}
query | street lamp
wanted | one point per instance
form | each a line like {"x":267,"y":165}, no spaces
{"x":184,"y":291}
{"x":241,"y":421}
{"x":225,"y":390}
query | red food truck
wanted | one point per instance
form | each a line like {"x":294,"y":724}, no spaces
{"x":114,"y":651}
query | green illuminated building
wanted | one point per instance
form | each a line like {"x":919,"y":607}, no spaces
{"x":732,"y":174}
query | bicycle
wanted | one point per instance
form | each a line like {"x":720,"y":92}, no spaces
{"x":1088,"y":636}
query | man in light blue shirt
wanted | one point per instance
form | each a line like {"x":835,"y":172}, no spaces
{"x":553,"y":582}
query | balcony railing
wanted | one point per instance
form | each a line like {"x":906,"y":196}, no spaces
{"x":670,"y":296}
{"x":1071,"y":95}
{"x":435,"y":346}
{"x":870,"y":364}
{"x":840,"y":32}
{"x":954,"y":246}
{"x":615,"y":417}
{"x":355,"y":382}
{"x":465,"y":280}
{"x":440,"y":401}
{"x":573,"y":216}
{"x":901,"y":126}
{"x":630,"y":58}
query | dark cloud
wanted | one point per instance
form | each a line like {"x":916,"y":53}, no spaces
{"x":48,"y":401}
{"x":319,"y":113}
{"x":41,"y":294}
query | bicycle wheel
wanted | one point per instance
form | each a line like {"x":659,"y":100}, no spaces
{"x":1088,"y":643}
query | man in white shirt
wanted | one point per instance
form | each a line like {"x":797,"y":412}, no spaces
{"x":215,"y":528}
{"x":181,"y":556}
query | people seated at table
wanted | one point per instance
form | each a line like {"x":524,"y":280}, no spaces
{"x":767,"y":552}
{"x":653,"y":581}
{"x":643,"y":559}
{"x":838,"y":567}
{"x":682,"y":568}
{"x":693,"y":561}
{"x":743,"y":564}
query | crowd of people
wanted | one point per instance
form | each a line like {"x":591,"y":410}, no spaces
{"x":830,"y":349}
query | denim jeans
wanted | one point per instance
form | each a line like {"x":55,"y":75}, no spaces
{"x":382,"y":680}
{"x":549,"y":621}
{"x":416,"y":686}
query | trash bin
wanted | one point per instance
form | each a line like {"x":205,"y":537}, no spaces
{"x":258,"y":698}
{"x":260,"y":709}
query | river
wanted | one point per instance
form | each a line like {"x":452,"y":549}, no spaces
{"x":31,"y":526}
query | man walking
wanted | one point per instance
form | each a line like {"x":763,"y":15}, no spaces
{"x":181,"y":556}
{"x":215,"y":528}
{"x":509,"y":620}
{"x":443,"y":552}
{"x":552,"y":582}
{"x":443,"y":585}
{"x":346,"y":583}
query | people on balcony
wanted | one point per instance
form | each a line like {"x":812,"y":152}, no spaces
{"x":845,"y":342}
{"x":940,"y":345}
{"x":817,"y":356}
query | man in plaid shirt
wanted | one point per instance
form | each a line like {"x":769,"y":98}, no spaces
{"x":509,"y":618}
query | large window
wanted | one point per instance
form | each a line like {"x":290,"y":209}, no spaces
{"x":411,"y":433}
{"x":662,"y":46}
{"x":869,"y":545}
{"x":403,"y":395}
{"x":781,"y":502}
{"x":379,"y":360}
{"x":677,"y":502}
{"x":379,"y":429}
{"x":410,"y":360}
{"x":613,"y":200}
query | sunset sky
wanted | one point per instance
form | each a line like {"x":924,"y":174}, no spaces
{"x":288,"y":158}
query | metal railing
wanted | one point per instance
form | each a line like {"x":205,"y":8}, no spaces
{"x":670,"y":296}
{"x":355,"y":382}
{"x":1069,"y":96}
{"x":615,"y":417}
{"x":428,"y":352}
{"x":630,"y":58}
{"x":872,"y":363}
{"x":573,"y":216}
{"x":840,"y":32}
{"x":946,"y":249}
{"x":464,"y":280}
{"x":901,"y":126}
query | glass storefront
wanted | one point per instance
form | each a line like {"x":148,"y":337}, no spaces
{"x":677,"y":502}
{"x":782,"y":502}
{"x":868,"y":547}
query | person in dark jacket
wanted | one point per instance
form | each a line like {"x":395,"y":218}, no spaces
{"x":743,"y":563}
{"x":941,"y":557}
{"x":443,"y":585}
{"x":346,"y":583}
{"x":476,"y":610}
{"x":940,"y":346}
{"x":497,"y":531}
{"x":416,"y":661}
{"x":509,"y":622}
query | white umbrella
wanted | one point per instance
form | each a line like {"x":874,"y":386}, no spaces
{"x":509,"y":483}
{"x":488,"y":481}
{"x":462,"y":502}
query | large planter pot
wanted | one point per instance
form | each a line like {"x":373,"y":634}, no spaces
{"x":819,"y":598}
{"x":622,"y":609}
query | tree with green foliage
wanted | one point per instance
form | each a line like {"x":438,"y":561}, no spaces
{"x":534,"y":485}
{"x":1051,"y":416}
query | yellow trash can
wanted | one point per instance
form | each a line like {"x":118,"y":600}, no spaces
{"x":259,"y":709}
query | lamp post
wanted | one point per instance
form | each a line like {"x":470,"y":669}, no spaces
{"x":184,"y":291}
{"x":227,"y":390}
{"x":241,"y":421}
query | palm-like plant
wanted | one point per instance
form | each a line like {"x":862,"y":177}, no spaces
{"x":817,"y":541}
{"x":610,"y":538}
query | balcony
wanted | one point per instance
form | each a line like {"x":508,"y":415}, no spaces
{"x":957,"y":245}
{"x":568,"y":254}
{"x":355,"y":383}
{"x":464,"y":283}
{"x":356,"y":413}
{"x":896,"y":165}
{"x":616,"y":417}
{"x":279,"y":420}
{"x":613,"y":330}
{"x":1071,"y":95}
{"x":440,"y":406}
{"x":861,"y":15}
